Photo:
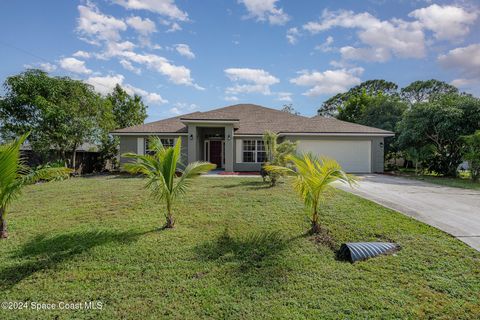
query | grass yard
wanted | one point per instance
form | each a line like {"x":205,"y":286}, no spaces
{"x":238,"y":252}
{"x":462,"y":181}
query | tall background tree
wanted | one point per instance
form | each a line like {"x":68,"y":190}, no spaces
{"x":126,"y":111}
{"x":426,"y":91}
{"x":472,"y":154}
{"x":61,"y":113}
{"x":290,"y":109}
{"x":440,"y":125}
{"x":371,"y":87}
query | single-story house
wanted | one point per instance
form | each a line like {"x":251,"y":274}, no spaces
{"x":231,"y":137}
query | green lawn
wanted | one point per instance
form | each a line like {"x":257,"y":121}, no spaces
{"x":238,"y":252}
{"x":463,"y":181}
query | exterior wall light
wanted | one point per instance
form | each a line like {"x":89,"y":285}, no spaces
{"x":191,"y":136}
{"x":381,"y":144}
{"x":229,"y":137}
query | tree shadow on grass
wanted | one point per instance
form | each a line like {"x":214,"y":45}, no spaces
{"x":257,"y":257}
{"x":253,"y":185}
{"x":46,"y":252}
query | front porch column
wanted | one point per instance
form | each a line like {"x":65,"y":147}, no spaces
{"x":229,"y":148}
{"x":192,"y":143}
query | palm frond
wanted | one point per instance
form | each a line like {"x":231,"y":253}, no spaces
{"x":193,"y":170}
{"x":279,"y":169}
{"x":10,"y":169}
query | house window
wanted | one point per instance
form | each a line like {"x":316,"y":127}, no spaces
{"x":254,"y":151}
{"x":166,"y":142}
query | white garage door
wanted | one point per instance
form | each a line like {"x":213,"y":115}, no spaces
{"x":353,"y":156}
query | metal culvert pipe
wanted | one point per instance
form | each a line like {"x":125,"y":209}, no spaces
{"x":356,"y":251}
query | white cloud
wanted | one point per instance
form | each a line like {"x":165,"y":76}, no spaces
{"x":166,"y":8}
{"x":176,"y":74}
{"x":446,"y":22}
{"x":105,"y":85}
{"x":292,"y":35}
{"x":254,"y":81}
{"x":130,"y":67}
{"x":284,"y":96}
{"x":366,"y":54}
{"x":465,"y":61}
{"x":172,"y":25}
{"x":48,"y":67}
{"x":101,"y":29}
{"x":182,"y":108}
{"x":329,"y":81}
{"x":94,"y":25}
{"x":465,"y":83}
{"x":74,"y":65}
{"x":150,"y":97}
{"x":393,"y":37}
{"x":265,"y":10}
{"x":142,"y":26}
{"x":184,"y":50}
{"x":82,"y":54}
{"x":231,"y":98}
{"x":326,"y":46}
{"x":44,"y":66}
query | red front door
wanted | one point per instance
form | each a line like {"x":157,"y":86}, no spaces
{"x":216,"y":152}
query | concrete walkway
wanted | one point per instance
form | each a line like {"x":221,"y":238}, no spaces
{"x":453,"y":210}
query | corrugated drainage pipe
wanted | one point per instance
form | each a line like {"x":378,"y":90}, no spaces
{"x":356,"y":251}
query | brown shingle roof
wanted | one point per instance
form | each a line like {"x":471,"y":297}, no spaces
{"x":255,"y":119}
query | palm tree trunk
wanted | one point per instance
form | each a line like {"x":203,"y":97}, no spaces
{"x":170,"y":220}
{"x":3,"y":224}
{"x":315,"y":225}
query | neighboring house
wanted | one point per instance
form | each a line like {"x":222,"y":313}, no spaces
{"x":231,"y":137}
{"x":86,"y":157}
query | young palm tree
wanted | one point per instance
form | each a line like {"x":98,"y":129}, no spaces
{"x":14,"y":174}
{"x":276,"y":153}
{"x":160,"y":169}
{"x":312,"y":176}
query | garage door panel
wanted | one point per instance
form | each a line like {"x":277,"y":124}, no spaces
{"x":353,"y":155}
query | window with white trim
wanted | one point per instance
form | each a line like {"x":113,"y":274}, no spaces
{"x":254,"y":151}
{"x":166,"y":142}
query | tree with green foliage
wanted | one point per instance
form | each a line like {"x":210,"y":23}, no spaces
{"x":126,"y":111}
{"x":426,"y":90}
{"x":440,"y":125}
{"x":472,"y":154}
{"x":160,"y":169}
{"x":290,"y":109}
{"x":371,"y":87}
{"x":277,"y":153}
{"x":61,"y":113}
{"x":14,"y":175}
{"x":313,"y":175}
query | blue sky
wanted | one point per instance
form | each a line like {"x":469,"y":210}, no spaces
{"x":189,"y":55}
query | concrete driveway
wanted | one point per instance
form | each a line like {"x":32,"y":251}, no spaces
{"x":453,"y":210}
